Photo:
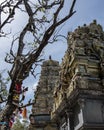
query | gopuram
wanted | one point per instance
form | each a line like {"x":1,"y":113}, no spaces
{"x":79,"y":94}
{"x":40,"y":119}
{"x":76,"y":100}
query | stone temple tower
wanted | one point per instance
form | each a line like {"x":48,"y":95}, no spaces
{"x":40,"y":118}
{"x":79,"y":96}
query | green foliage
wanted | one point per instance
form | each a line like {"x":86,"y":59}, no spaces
{"x":18,"y":126}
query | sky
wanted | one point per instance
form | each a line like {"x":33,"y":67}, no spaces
{"x":86,"y":12}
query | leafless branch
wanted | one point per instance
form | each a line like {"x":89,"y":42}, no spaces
{"x":11,"y":13}
{"x":42,"y":28}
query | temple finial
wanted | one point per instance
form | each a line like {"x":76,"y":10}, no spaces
{"x":50,"y":58}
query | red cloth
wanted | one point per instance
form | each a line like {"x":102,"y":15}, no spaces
{"x":10,"y":124}
{"x":18,"y":87}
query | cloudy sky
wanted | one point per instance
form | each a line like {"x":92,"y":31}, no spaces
{"x":87,"y":11}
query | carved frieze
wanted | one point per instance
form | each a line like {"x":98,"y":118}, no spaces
{"x":82,"y":66}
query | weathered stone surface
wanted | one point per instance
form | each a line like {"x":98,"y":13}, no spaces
{"x":84,"y":56}
{"x":40,"y":118}
{"x":81,"y":84}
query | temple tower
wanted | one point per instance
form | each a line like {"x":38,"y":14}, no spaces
{"x":79,"y":96}
{"x":40,"y":117}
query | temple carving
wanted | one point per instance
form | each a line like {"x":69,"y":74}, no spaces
{"x":41,"y":110}
{"x":78,"y":91}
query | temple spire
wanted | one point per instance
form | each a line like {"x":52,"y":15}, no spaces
{"x":50,"y":58}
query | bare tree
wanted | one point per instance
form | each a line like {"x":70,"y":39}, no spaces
{"x":43,"y":21}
